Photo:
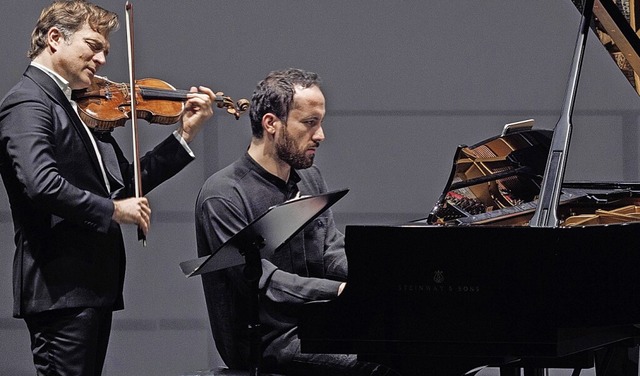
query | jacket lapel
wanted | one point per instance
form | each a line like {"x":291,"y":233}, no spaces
{"x":106,"y":145}
{"x":49,"y":86}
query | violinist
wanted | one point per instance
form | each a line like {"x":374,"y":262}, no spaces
{"x":70,"y":189}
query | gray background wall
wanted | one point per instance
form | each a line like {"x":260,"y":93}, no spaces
{"x":405,"y":81}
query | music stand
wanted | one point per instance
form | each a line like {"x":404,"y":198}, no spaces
{"x":260,"y":239}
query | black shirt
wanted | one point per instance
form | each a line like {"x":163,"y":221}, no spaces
{"x":309,"y":267}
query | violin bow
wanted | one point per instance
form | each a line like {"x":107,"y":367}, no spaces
{"x":137,"y":181}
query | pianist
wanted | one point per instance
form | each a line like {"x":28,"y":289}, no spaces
{"x":287,"y":111}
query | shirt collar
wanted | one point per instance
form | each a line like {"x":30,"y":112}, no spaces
{"x":59,"y":80}
{"x":294,"y":178}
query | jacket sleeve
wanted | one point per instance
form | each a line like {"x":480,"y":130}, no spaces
{"x":282,"y":287}
{"x":156,"y":166}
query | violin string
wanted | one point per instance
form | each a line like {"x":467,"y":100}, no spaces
{"x":152,"y":93}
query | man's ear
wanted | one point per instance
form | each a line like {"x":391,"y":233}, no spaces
{"x":268,"y":123}
{"x":55,"y":38}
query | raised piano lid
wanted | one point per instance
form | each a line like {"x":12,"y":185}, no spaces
{"x":616,"y":25}
{"x":500,"y":178}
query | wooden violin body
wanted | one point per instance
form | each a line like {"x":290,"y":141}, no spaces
{"x":105,"y":104}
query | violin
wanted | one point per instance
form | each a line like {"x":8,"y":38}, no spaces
{"x":105,"y":104}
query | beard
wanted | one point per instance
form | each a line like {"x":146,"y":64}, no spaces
{"x":287,"y":152}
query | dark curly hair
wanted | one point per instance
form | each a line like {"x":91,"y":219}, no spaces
{"x":274,"y":95}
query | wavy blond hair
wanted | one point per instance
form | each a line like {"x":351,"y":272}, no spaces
{"x":69,"y":16}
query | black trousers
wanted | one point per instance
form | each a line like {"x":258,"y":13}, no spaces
{"x":70,"y":341}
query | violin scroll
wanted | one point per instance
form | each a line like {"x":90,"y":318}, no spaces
{"x":236,"y":109}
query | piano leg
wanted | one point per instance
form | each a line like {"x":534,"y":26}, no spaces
{"x":621,"y":359}
{"x":617,"y":360}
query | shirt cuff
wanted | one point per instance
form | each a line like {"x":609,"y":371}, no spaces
{"x":183,"y":143}
{"x":267,"y":271}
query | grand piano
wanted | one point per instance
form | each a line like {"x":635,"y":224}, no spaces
{"x":513,"y":268}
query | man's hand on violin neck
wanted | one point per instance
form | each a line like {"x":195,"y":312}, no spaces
{"x":198,"y":109}
{"x":134,"y":210}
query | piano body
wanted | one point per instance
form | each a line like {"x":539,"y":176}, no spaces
{"x":513,"y":267}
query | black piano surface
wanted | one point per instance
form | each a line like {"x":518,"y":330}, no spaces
{"x":522,"y":293}
{"x":478,"y":282}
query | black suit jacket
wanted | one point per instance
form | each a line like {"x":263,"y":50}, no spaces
{"x":69,"y":252}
